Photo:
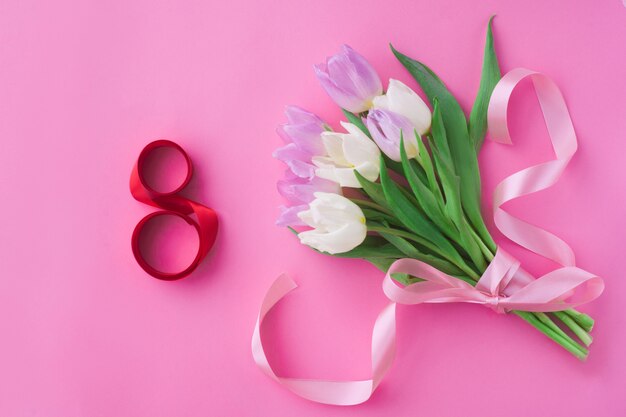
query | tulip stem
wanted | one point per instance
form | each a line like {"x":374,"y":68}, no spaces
{"x":585,"y":321}
{"x":461,"y":265}
{"x":566,"y":342}
{"x":579,"y":323}
{"x":574,"y":327}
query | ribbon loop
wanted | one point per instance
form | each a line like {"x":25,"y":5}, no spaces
{"x":330,"y":392}
{"x":537,"y":177}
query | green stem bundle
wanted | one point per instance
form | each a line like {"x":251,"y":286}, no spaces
{"x":579,"y":324}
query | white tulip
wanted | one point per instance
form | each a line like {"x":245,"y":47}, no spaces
{"x":348,"y":152}
{"x":338,"y":224}
{"x":402,"y":100}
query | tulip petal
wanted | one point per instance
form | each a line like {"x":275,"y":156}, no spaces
{"x":343,"y":98}
{"x":359,"y":149}
{"x":297,"y":160}
{"x":403,"y":100}
{"x":333,"y":144}
{"x":343,"y":176}
{"x":289,"y":216}
{"x":338,"y":224}
{"x":307,"y":137}
{"x":349,"y":80}
{"x":297,"y":116}
{"x":301,"y":190}
{"x":388,"y":129}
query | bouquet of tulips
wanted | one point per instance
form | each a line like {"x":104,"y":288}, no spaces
{"x":402,"y":180}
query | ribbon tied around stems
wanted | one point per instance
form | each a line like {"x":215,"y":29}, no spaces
{"x":503,"y":287}
{"x":558,"y":290}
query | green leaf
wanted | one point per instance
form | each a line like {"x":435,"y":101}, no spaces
{"x":488,"y":80}
{"x":426,"y":163}
{"x":356,"y":120}
{"x":368,"y":251}
{"x":439,"y":137}
{"x":372,"y":247}
{"x":381,"y":263}
{"x":424,"y":196}
{"x":413,"y":219}
{"x":396,"y":166}
{"x":441,"y":154}
{"x":401,"y":244}
{"x":373,"y":190}
{"x":471,"y":246}
{"x":384,"y":264}
{"x":451,"y":186}
{"x":463,"y":154}
{"x":377,"y":216}
{"x":412,"y":252}
{"x":462,"y":150}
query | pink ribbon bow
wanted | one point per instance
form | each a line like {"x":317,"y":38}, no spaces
{"x":500,"y":287}
{"x":504,"y":286}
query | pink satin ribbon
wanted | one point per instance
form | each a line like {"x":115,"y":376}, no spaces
{"x":504,"y":286}
{"x":537,"y":177}
{"x":558,"y":290}
{"x":330,"y":392}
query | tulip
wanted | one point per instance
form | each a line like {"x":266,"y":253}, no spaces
{"x":298,"y":116}
{"x":289,"y":215}
{"x":402,"y":100}
{"x":301,"y":190}
{"x":302,"y":134}
{"x":303,"y":128}
{"x":348,"y":152}
{"x":388,"y":128}
{"x":338,"y":224}
{"x":349,"y":80}
{"x":298,"y":161}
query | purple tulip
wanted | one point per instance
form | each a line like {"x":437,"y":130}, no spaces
{"x":300,"y":190}
{"x":304,"y":129}
{"x":302,"y":134}
{"x":289,"y":216}
{"x":298,"y":116}
{"x":349,"y":80}
{"x":387,"y":128}
{"x":298,"y":161}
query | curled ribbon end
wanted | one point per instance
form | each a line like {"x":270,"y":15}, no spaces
{"x":322,"y":391}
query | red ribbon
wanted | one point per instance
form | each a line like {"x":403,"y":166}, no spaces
{"x":171,"y":204}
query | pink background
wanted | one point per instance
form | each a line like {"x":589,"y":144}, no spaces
{"x":84,"y":85}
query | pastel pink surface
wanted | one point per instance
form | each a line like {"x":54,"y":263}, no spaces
{"x":85,"y":332}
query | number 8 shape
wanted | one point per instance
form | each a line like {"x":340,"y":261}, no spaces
{"x":171,"y":204}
